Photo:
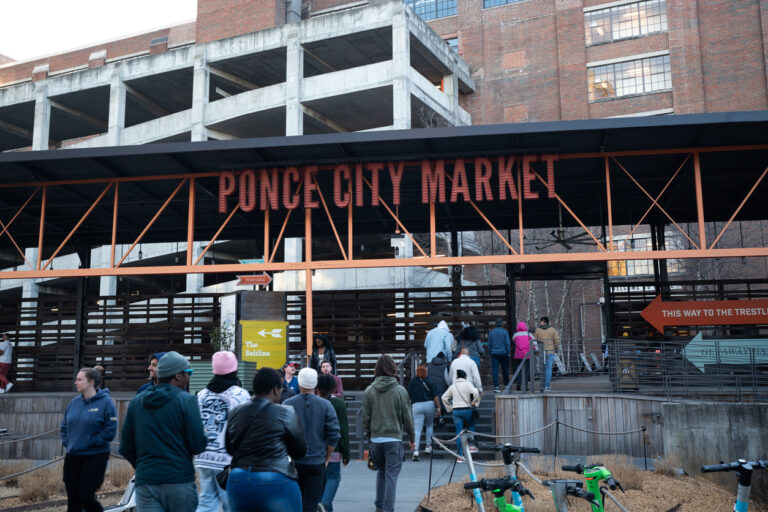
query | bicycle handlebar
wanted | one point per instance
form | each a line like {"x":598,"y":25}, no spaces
{"x":733,"y":466}
{"x":575,"y":468}
{"x":499,"y":485}
{"x":512,"y":448}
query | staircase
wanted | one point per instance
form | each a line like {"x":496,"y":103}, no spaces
{"x":485,"y":424}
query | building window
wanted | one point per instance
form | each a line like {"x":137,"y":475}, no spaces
{"x":431,"y":9}
{"x":629,"y":78}
{"x":625,"y":21}
{"x":453,"y":43}
{"x":494,"y":3}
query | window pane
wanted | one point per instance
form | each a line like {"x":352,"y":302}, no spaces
{"x":629,"y":78}
{"x":622,"y":22}
{"x":494,"y":3}
{"x":431,"y":9}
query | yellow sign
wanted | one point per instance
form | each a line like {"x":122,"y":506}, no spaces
{"x":264,"y":342}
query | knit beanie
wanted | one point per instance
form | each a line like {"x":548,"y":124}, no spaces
{"x":223,"y":362}
{"x":308,"y":378}
{"x":171,"y":364}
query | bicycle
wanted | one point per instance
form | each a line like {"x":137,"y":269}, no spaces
{"x":497,"y":487}
{"x":510,"y":464}
{"x":594,"y":474}
{"x":562,"y":488}
{"x":744,"y":471}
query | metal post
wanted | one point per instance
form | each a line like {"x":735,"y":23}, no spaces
{"x":472,"y":473}
{"x":645,"y":451}
{"x":557,"y":438}
{"x":429,"y":486}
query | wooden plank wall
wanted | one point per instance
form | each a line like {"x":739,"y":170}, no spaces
{"x":594,"y":413}
{"x":28,"y":414}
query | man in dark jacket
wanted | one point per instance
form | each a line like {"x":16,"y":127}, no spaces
{"x":161,"y":434}
{"x":499,"y":346}
{"x":321,"y":431}
{"x":386,"y":413}
{"x":438,"y":377}
{"x":326,"y":387}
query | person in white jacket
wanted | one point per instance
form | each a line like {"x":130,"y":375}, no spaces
{"x":464,"y":362}
{"x":459,"y":400}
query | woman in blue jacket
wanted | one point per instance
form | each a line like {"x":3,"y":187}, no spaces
{"x":89,"y":426}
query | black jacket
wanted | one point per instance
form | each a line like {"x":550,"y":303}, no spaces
{"x":261,"y":435}
{"x":329,"y":356}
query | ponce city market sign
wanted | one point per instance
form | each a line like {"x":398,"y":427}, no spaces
{"x":441,"y":180}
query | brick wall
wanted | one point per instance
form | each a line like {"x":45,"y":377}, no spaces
{"x":219,"y":19}
{"x":176,"y":35}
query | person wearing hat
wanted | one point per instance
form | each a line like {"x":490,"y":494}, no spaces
{"x":222,"y":394}
{"x":162,"y":432}
{"x":152,"y":368}
{"x":322,"y":433}
{"x":289,"y":372}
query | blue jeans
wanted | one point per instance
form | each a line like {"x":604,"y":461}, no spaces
{"x":332,"y":481}
{"x":548,"y":375}
{"x":166,"y":497}
{"x":250,"y":491}
{"x":503,"y":361}
{"x":476,"y":360}
{"x":463,"y":418}
{"x":211,"y":495}
{"x":423,"y":413}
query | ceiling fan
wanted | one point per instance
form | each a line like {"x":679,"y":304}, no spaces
{"x":561,"y":236}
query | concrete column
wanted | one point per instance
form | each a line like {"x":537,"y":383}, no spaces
{"x":116,"y":122}
{"x":42,"y":130}
{"x":200,"y":86}
{"x":401,"y":65}
{"x":195,"y":281}
{"x":294,"y":75}
{"x":451,"y":89}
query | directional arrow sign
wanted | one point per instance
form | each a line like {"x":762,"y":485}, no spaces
{"x":275,"y":333}
{"x":705,"y":312}
{"x":701,"y":352}
{"x":262,"y":279}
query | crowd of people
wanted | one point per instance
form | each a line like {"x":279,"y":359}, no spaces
{"x":279,"y":446}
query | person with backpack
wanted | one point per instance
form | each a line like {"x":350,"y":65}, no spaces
{"x":425,"y":405}
{"x":522,"y":341}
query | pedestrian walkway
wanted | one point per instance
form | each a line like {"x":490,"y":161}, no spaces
{"x":358,"y":484}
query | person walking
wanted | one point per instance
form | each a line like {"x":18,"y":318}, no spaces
{"x":425,"y":405}
{"x":152,"y":368}
{"x":439,"y":377}
{"x":89,"y":425}
{"x":466,"y":363}
{"x":289,"y":375}
{"x":322,"y":433}
{"x":322,"y":351}
{"x":162,"y":433}
{"x":550,"y":340}
{"x":222,"y":394}
{"x":470,"y":339}
{"x":327,"y":369}
{"x":500,"y":347}
{"x":326,"y":386}
{"x":459,"y":399}
{"x":386,"y":413}
{"x":6,"y":360}
{"x":439,"y":340}
{"x":264,"y":438}
{"x":522,"y":341}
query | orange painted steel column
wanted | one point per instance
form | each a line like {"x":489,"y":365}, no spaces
{"x":266,"y":235}
{"x":42,"y":225}
{"x":608,"y":196}
{"x":114,"y":226}
{"x":699,"y":201}
{"x":309,"y":309}
{"x":520,"y":212}
{"x":191,"y":222}
{"x":432,"y":241}
{"x":350,"y":247}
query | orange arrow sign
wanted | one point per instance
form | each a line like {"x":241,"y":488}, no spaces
{"x":262,"y":279}
{"x":705,"y":312}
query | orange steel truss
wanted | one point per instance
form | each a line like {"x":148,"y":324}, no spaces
{"x":601,"y":252}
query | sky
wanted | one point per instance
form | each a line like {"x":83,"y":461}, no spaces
{"x":35,"y":28}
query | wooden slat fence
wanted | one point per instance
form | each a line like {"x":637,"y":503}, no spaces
{"x":592,"y":413}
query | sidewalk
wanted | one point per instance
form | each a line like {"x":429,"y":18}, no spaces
{"x":358,"y":484}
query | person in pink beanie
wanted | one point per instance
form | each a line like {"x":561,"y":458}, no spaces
{"x":222,"y":394}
